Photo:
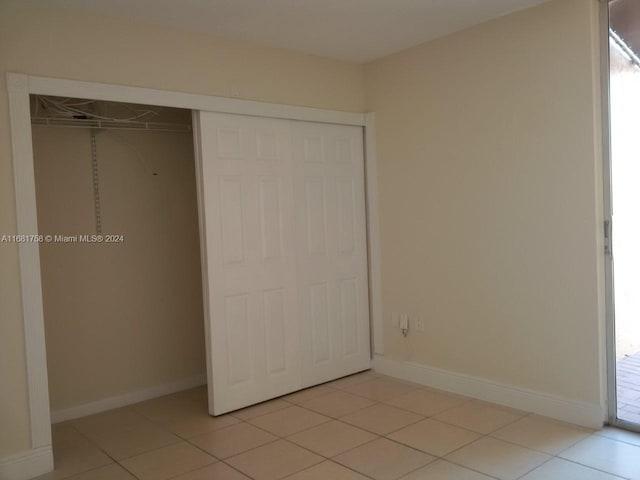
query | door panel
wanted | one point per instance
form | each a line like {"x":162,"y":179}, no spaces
{"x":286,"y":262}
{"x":332,"y":255}
{"x":314,"y":216}
{"x":248,"y":212}
{"x":319,"y":314}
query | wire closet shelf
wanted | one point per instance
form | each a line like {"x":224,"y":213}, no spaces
{"x":110,"y":124}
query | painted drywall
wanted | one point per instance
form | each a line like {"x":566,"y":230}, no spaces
{"x":490,"y":202}
{"x":130,"y":310}
{"x":75,"y":45}
{"x":488,"y":177}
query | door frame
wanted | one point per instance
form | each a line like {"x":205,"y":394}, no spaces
{"x":610,"y":325}
{"x":21,"y":85}
{"x":610,"y":337}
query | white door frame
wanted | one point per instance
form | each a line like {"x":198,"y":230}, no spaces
{"x":20,"y":86}
{"x":610,"y":336}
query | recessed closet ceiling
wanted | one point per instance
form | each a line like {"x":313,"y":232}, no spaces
{"x":354,"y":30}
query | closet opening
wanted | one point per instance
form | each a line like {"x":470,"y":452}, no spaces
{"x":120,"y":266}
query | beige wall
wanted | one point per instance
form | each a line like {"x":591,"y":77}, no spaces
{"x":489,"y":174}
{"x":126,"y":316}
{"x":68,"y":44}
{"x":488,"y":177}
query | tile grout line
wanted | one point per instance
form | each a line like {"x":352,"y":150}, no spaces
{"x":279,"y":437}
{"x":489,"y":435}
{"x":444,"y":458}
{"x":598,"y":433}
{"x":187,"y":440}
{"x":536,"y":467}
{"x":163,"y":427}
{"x":592,"y":468}
{"x":99,"y":448}
{"x":285,"y":438}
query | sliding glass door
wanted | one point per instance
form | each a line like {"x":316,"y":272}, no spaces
{"x":622,"y":227}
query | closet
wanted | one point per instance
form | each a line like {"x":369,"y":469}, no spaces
{"x":282,"y":258}
{"x":124,"y":315}
{"x":283,"y":242}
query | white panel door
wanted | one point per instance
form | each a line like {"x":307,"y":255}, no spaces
{"x":332,"y":252}
{"x":246,"y":205}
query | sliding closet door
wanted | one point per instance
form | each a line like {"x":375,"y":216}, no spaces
{"x":332,"y":252}
{"x":247,"y":210}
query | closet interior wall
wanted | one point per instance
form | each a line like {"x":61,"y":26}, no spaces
{"x":125,"y":316}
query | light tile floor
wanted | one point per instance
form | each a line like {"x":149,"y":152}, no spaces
{"x":365,"y":426}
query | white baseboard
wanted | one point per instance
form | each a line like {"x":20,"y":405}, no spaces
{"x":127,"y":399}
{"x":28,"y":464}
{"x":572,"y":411}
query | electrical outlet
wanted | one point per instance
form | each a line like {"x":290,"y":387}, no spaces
{"x":404,"y":324}
{"x":418,"y":323}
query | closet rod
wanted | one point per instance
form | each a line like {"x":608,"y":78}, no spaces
{"x":110,"y":124}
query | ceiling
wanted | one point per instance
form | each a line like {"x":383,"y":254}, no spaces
{"x":353,"y":30}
